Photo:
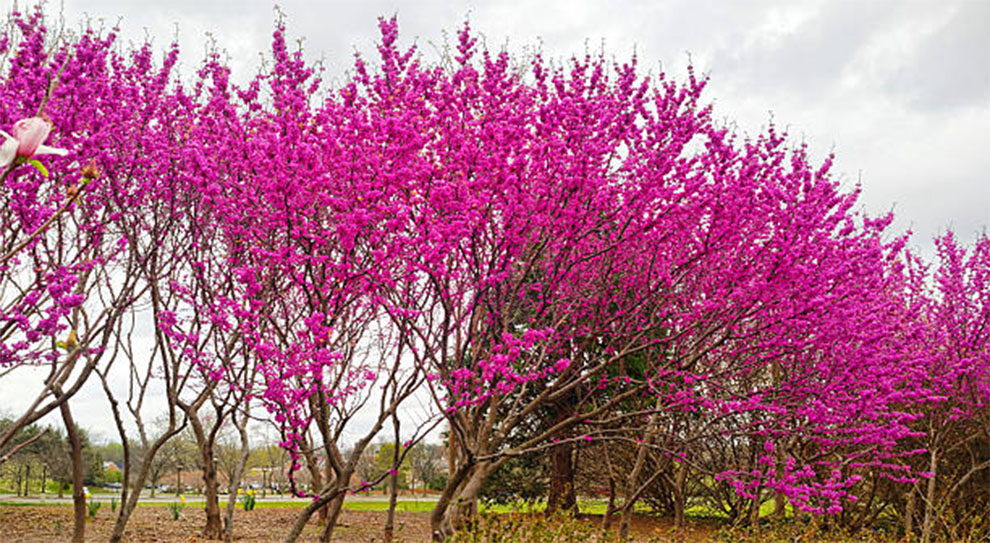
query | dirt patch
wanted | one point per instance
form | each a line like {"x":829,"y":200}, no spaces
{"x":23,"y":524}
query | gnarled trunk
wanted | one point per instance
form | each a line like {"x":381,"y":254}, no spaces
{"x":561,"y":496}
{"x":438,"y":528}
{"x":235,"y":483}
{"x":632,"y":484}
{"x":909,"y":515}
{"x":680,"y":494}
{"x":754,"y":510}
{"x":129,"y":503}
{"x":316,"y":483}
{"x":213,"y":528}
{"x":333,"y":514}
{"x":211,"y":492}
{"x":78,"y":497}
{"x":465,"y":506}
{"x":610,"y":508}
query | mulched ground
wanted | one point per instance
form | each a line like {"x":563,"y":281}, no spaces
{"x":155,"y":524}
{"x":24,"y":524}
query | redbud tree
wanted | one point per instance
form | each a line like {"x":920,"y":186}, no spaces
{"x":550,"y":256}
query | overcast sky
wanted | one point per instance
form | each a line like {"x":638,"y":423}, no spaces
{"x":898,"y":89}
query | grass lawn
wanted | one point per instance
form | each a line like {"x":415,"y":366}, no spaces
{"x":407,"y":505}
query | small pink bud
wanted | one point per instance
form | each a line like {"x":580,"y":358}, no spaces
{"x":90,"y":171}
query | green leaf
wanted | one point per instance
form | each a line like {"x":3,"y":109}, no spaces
{"x":39,"y":166}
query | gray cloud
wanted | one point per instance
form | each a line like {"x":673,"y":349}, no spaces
{"x":949,"y":68}
{"x":800,"y":48}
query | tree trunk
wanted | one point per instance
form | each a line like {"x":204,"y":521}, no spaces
{"x":133,"y":487}
{"x":303,"y":517}
{"x":78,"y":498}
{"x":438,"y":515}
{"x":561,"y":496}
{"x":393,"y":482}
{"x":466,"y":505}
{"x":211,"y":491}
{"x":779,"y":499}
{"x":335,"y":491}
{"x":392,"y":502}
{"x":204,"y":442}
{"x":128,"y":505}
{"x":333,"y":513}
{"x":235,"y":480}
{"x":779,"y":506}
{"x":628,"y":506}
{"x":316,"y":482}
{"x":331,"y":500}
{"x":754,"y":510}
{"x":680,"y":480}
{"x":610,"y":508}
{"x":929,"y":521}
{"x":630,"y":497}
{"x":909,"y":516}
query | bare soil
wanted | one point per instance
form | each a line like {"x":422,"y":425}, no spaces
{"x":22,"y":524}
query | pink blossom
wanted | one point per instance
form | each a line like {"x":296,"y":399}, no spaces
{"x":28,"y":139}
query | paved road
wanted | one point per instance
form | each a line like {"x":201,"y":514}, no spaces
{"x":193,"y":498}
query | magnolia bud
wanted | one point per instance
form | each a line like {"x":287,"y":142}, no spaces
{"x":30,"y":134}
{"x":27,"y":140}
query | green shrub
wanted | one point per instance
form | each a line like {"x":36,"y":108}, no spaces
{"x":92,"y":507}
{"x":247,"y":500}
{"x":518,"y":528}
{"x":177,"y":507}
